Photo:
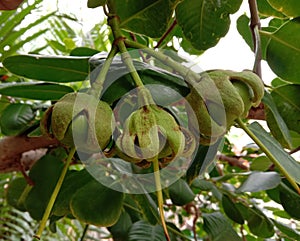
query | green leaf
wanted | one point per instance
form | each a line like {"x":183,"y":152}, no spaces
{"x":291,"y":166}
{"x":95,"y":3}
{"x":259,"y":224}
{"x":142,"y":230}
{"x":290,"y":8}
{"x":274,"y":194}
{"x":148,"y":17}
{"x":244,"y":30}
{"x":203,"y":160}
{"x":231,"y":210}
{"x":266,"y":10}
{"x":148,"y":207}
{"x":16,"y":118}
{"x":290,"y":201}
{"x":14,"y":192}
{"x":96,"y":204}
{"x":283,"y":44}
{"x":259,"y":181}
{"x":157,"y":80}
{"x":83,"y":51}
{"x":120,"y":230}
{"x":276,"y":123}
{"x":218,"y":227}
{"x":287,"y":230}
{"x":287,"y":101}
{"x":261,"y":163}
{"x":36,"y":91}
{"x":277,"y":82}
{"x":180,"y":193}
{"x":204,"y":22}
{"x":44,"y":174}
{"x":73,"y":181}
{"x":53,"y":69}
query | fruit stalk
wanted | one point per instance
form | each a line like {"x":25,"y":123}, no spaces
{"x":160,"y":199}
{"x":97,"y":85}
{"x":269,"y":154}
{"x":54,"y":194}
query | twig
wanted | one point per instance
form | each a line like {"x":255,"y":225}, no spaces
{"x":54,"y":195}
{"x":255,"y":27}
{"x":294,"y":150}
{"x":166,"y":33}
{"x":132,"y":35}
{"x":235,"y":161}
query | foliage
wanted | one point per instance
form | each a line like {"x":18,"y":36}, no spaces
{"x":220,"y":194}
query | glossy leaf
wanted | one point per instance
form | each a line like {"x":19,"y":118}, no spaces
{"x":95,"y":3}
{"x":287,"y":101}
{"x":157,"y":80}
{"x":259,"y":224}
{"x":277,"y":82}
{"x":149,"y":211}
{"x":96,"y":204}
{"x":204,"y":22}
{"x":16,"y":118}
{"x":244,"y":30}
{"x":180,"y":193}
{"x":287,"y":162}
{"x":44,"y":174}
{"x":259,"y":181}
{"x":260,"y":163}
{"x":53,"y":69}
{"x":149,"y":17}
{"x":283,"y":51}
{"x":289,"y":8}
{"x":142,"y":230}
{"x":121,"y":229}
{"x":73,"y":181}
{"x":290,"y":201}
{"x":83,"y":51}
{"x":231,"y":210}
{"x":219,"y":228}
{"x":276,"y":123}
{"x":36,"y":91}
{"x":287,"y":230}
{"x":14,"y":192}
{"x":266,"y":10}
{"x":204,"y":158}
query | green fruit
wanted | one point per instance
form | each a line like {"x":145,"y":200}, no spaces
{"x":151,"y":132}
{"x":219,"y":97}
{"x":80,"y":119}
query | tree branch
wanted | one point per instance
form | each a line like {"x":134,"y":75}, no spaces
{"x":255,"y":27}
{"x":235,"y":161}
{"x":13,"y":147}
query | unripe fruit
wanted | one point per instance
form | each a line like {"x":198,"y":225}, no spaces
{"x":219,"y":98}
{"x":151,"y":132}
{"x":79,"y":119}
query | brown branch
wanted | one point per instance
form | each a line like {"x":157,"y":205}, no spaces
{"x":9,"y":4}
{"x":166,"y":33}
{"x":13,"y":147}
{"x":294,"y":150}
{"x":257,"y":113}
{"x":255,"y":27}
{"x":235,"y":161}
